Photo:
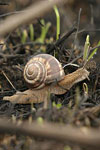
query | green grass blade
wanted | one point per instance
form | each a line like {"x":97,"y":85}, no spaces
{"x":24,"y":36}
{"x":86,"y":48}
{"x":57,"y":21}
{"x":44,"y":31}
{"x":31,"y":31}
{"x":95,"y":50}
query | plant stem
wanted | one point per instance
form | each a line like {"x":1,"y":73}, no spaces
{"x":57,"y":22}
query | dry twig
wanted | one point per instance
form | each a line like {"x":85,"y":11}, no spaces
{"x":82,"y":136}
{"x":30,"y":13}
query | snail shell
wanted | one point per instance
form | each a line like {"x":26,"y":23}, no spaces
{"x":41,"y":70}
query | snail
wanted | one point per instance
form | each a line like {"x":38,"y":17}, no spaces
{"x":44,"y":75}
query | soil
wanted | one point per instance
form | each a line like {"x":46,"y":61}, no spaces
{"x":14,"y":55}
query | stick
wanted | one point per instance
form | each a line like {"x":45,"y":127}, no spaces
{"x":30,"y":13}
{"x":87,"y":137}
{"x":61,"y":40}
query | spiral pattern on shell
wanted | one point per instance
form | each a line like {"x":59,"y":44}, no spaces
{"x":42,"y":70}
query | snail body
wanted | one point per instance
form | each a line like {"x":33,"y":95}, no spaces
{"x":41,"y":70}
